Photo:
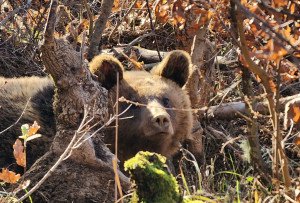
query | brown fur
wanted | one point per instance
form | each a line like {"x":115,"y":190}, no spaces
{"x":151,"y":128}
{"x":181,"y":60}
{"x":13,"y":98}
{"x":105,"y":67}
{"x":140,"y":132}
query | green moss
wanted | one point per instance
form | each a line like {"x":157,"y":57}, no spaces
{"x":152,"y":180}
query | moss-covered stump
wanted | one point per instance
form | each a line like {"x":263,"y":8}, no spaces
{"x":151,"y":179}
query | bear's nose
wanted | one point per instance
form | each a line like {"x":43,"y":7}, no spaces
{"x":161,"y":120}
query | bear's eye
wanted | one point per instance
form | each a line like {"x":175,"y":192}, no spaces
{"x":166,"y":102}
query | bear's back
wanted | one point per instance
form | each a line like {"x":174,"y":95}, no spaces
{"x":34,"y":96}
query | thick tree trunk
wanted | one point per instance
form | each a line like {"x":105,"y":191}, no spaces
{"x":86,"y":175}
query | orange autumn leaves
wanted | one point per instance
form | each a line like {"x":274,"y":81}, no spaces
{"x":292,"y":116}
{"x":19,"y":153}
{"x":9,"y":176}
{"x":28,"y":133}
{"x":175,"y":12}
{"x":269,"y":46}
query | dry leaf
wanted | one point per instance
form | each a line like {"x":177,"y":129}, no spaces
{"x":280,"y":3}
{"x":33,"y":129}
{"x":292,"y":113}
{"x":161,"y":13}
{"x":9,"y":176}
{"x":19,"y":153}
{"x":296,"y":141}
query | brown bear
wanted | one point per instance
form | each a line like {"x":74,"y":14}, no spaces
{"x":159,"y":122}
{"x":163,"y":121}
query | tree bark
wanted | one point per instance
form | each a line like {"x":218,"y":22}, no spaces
{"x":86,"y":175}
{"x":94,"y":49}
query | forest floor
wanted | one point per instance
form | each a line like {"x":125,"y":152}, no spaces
{"x":225,"y":174}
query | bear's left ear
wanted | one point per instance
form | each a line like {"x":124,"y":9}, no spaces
{"x":105,"y":68}
{"x":176,"y":67}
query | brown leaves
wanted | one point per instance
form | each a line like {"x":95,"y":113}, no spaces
{"x":288,"y":71}
{"x":161,"y":12}
{"x":178,"y":15}
{"x":292,"y":113}
{"x":174,"y":13}
{"x":33,"y":129}
{"x":297,"y":142}
{"x":271,"y":51}
{"x":9,"y":176}
{"x":280,"y":3}
{"x":19,"y":153}
{"x":194,"y":28}
{"x":116,"y":7}
{"x":29,"y":132}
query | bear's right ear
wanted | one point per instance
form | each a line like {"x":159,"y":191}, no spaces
{"x":106,"y":67}
{"x":176,"y":67}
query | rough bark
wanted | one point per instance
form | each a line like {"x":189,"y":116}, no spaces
{"x":85,"y":176}
{"x":255,"y":153}
{"x":99,"y":28}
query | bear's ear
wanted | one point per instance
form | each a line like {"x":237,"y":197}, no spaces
{"x":105,"y":68}
{"x":176,"y":67}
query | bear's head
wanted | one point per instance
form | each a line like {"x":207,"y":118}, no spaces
{"x":161,"y":120}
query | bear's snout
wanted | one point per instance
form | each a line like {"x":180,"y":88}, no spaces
{"x":159,"y":119}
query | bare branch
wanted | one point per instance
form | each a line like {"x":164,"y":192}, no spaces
{"x":49,"y":28}
{"x":120,"y":21}
{"x":266,"y":25}
{"x":6,"y":19}
{"x":99,"y":28}
{"x":18,"y":118}
{"x":152,"y":28}
{"x":90,"y":15}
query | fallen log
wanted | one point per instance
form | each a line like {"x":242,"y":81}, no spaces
{"x":236,"y":109}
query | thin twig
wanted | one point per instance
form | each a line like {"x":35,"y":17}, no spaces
{"x":7,"y":18}
{"x":278,"y":10}
{"x":120,"y":21}
{"x":58,"y":162}
{"x":152,"y":28}
{"x":230,"y":142}
{"x":117,"y":180}
{"x":18,"y":118}
{"x":69,"y":149}
{"x":82,"y":49}
{"x":90,"y":15}
{"x":135,"y":63}
{"x":270,"y":95}
{"x":135,"y":41}
{"x":105,"y":125}
{"x":230,"y":33}
{"x":265,"y":25}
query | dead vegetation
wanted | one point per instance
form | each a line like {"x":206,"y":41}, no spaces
{"x":246,"y":57}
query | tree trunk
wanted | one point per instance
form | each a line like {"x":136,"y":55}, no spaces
{"x":86,"y":175}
